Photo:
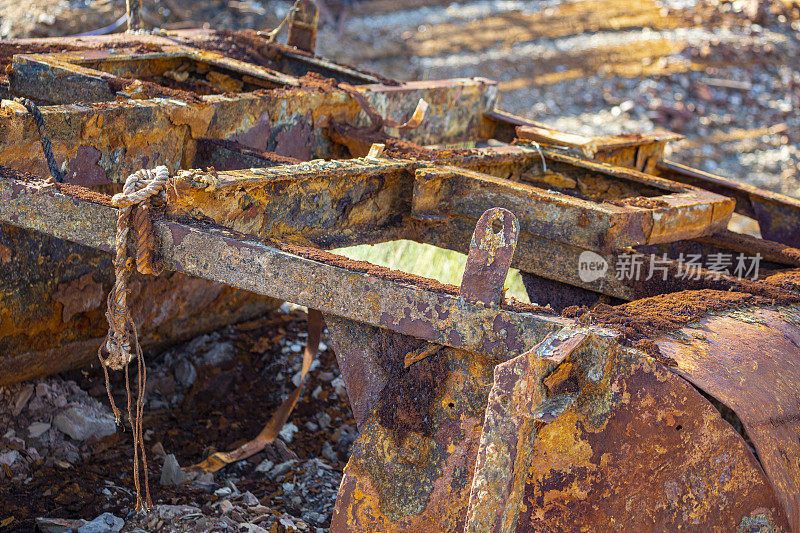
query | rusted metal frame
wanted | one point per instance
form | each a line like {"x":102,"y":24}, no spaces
{"x":600,"y":226}
{"x":320,"y":195}
{"x":333,"y":189}
{"x":66,"y":76}
{"x":103,"y":143}
{"x":323,"y":203}
{"x":777,"y":215}
{"x":303,"y":26}
{"x":227,"y":257}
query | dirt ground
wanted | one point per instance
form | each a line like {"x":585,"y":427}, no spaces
{"x":724,"y":74}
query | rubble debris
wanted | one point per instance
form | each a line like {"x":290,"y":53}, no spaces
{"x":80,"y":424}
{"x":171,"y":473}
{"x":261,"y":350}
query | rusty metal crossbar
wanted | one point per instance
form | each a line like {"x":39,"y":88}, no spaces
{"x":223,"y":255}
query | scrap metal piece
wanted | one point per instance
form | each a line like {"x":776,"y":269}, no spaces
{"x":633,"y":150}
{"x":303,"y":26}
{"x":51,"y":310}
{"x":778,"y":215}
{"x":750,"y":361}
{"x":490,"y":252}
{"x":509,"y":430}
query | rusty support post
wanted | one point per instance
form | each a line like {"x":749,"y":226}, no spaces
{"x":367,"y":356}
{"x":517,"y":403}
{"x":133,"y":9}
{"x":303,"y":26}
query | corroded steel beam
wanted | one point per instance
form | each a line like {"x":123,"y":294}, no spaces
{"x":778,"y":215}
{"x":102,"y":143}
{"x":338,"y":203}
{"x":639,"y":151}
{"x":233,"y":259}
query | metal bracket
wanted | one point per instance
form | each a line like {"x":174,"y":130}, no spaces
{"x":490,"y":253}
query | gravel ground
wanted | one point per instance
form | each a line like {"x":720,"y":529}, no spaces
{"x":724,"y":74}
{"x":63,"y":461}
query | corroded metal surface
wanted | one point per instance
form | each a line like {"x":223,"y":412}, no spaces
{"x":516,"y":406}
{"x":52,"y":312}
{"x":303,"y":26}
{"x":777,"y":214}
{"x":749,"y":360}
{"x":640,"y":450}
{"x":432,"y":313}
{"x":490,"y":252}
{"x":367,"y":357}
{"x":411,"y":466}
{"x":475,"y":413}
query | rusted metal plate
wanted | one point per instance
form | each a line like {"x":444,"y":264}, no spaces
{"x":638,"y":151}
{"x":367,"y":358}
{"x":490,"y":252}
{"x":777,"y":214}
{"x":634,"y":150}
{"x":411,"y":466}
{"x":641,"y":450}
{"x":750,"y":361}
{"x":52,"y":311}
{"x":513,"y":413}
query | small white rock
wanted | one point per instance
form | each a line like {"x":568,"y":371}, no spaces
{"x":265,"y":466}
{"x":8,"y":458}
{"x":36,"y":429}
{"x":287,"y":432}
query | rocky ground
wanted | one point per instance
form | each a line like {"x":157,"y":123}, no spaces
{"x":726,"y":74}
{"x":63,"y":463}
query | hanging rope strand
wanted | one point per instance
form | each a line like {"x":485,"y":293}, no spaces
{"x":122,"y":340}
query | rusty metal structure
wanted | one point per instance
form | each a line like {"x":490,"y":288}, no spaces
{"x":672,"y":402}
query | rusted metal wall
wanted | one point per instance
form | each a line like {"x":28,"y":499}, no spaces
{"x":53,"y":300}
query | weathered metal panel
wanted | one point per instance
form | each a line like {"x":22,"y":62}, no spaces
{"x":750,"y":361}
{"x":411,"y":466}
{"x":641,"y":450}
{"x":52,"y":311}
